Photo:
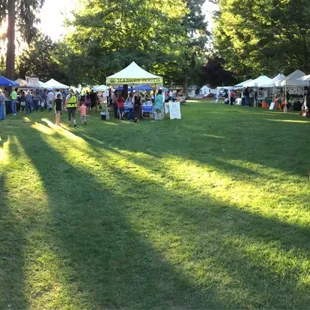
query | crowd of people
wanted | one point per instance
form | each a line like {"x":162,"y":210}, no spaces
{"x":30,"y":101}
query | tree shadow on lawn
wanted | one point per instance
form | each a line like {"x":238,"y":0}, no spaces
{"x":106,"y":263}
{"x":246,"y":249}
{"x":250,"y":250}
{"x":271,"y":144}
{"x":12,"y":278}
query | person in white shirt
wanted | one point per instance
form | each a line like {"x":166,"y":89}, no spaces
{"x":170,"y":95}
{"x":50,"y":99}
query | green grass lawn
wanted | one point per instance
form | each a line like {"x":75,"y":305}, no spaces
{"x":207,"y":212}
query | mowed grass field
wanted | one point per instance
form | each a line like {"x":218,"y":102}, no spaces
{"x":207,"y":212}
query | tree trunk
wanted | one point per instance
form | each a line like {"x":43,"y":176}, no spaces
{"x":10,"y":56}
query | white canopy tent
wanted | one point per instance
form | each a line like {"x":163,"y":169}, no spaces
{"x":294,"y":80}
{"x":274,"y":82}
{"x":53,"y":84}
{"x":241,"y":85}
{"x":306,"y":79}
{"x":134,"y":75}
{"x":99,"y":88}
{"x":23,"y":84}
{"x":258,"y":82}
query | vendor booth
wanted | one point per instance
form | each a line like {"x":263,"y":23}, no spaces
{"x":134,"y":75}
{"x":53,"y":84}
{"x":4,"y":82}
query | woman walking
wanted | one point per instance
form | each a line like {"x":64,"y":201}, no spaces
{"x":137,"y":107}
{"x":28,"y":102}
{"x":159,"y":105}
{"x":120,"y":105}
{"x":130,"y":103}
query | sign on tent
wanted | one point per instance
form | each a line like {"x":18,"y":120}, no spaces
{"x":32,"y":81}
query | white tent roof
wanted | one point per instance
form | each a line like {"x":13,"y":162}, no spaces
{"x":305,"y":78}
{"x":21,"y":82}
{"x":134,"y":75}
{"x":261,"y":80}
{"x":294,"y":79}
{"x":99,"y":88}
{"x":274,"y":82}
{"x":55,"y":85}
{"x":240,"y":85}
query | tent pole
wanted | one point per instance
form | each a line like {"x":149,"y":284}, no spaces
{"x":108,"y":97}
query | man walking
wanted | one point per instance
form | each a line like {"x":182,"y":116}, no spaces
{"x":13,"y":101}
{"x":71,"y":103}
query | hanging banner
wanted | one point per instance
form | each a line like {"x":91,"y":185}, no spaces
{"x":129,"y":81}
{"x":32,"y":81}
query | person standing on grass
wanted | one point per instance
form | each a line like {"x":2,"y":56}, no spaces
{"x":13,"y":102}
{"x":87,"y":101}
{"x":83,"y":113}
{"x":28,"y":102}
{"x":51,"y":98}
{"x":120,"y":105}
{"x":129,"y":102}
{"x":2,"y":106}
{"x":58,"y":109}
{"x":114,"y":103}
{"x":93,"y":100}
{"x":71,"y":104}
{"x":137,"y":106}
{"x":159,"y":105}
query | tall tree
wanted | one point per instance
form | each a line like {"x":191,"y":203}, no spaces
{"x":42,"y":59}
{"x":109,"y":34}
{"x":21,"y":17}
{"x":194,"y":47}
{"x":263,"y":36}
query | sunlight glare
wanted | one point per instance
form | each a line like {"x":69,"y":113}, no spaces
{"x":43,"y":129}
{"x":4,"y":147}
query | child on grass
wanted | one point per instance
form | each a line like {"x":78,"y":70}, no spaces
{"x":83,"y":113}
{"x":58,"y":108}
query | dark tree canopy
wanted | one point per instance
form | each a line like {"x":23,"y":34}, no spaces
{"x":263,"y":36}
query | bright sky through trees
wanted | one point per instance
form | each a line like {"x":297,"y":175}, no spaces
{"x":53,"y":12}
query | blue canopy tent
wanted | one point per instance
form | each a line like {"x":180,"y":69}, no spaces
{"x":4,"y":82}
{"x":143,"y":87}
{"x":139,"y":87}
{"x":121,"y":88}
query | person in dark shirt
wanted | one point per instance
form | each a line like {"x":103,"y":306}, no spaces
{"x":137,"y":106}
{"x":93,"y":100}
{"x":58,"y":109}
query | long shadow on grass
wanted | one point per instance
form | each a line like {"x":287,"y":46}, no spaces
{"x":251,"y":249}
{"x":276,"y":145}
{"x":12,"y":293}
{"x":248,"y":248}
{"x":105,"y":262}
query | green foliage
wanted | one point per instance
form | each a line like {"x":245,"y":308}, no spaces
{"x":264,"y":36}
{"x":214,"y":74}
{"x":166,"y":37}
{"x":42,"y":59}
{"x":110,"y":34}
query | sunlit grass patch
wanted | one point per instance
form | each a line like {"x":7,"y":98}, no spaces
{"x":208,"y":212}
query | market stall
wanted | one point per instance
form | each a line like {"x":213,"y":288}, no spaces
{"x":134,"y":75}
{"x":53,"y":84}
{"x":4,"y":82}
